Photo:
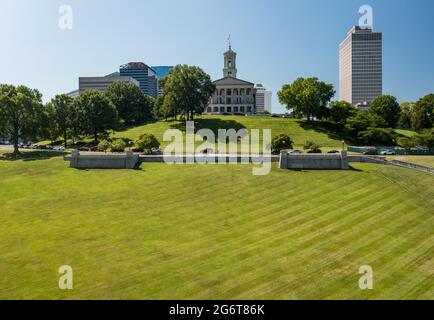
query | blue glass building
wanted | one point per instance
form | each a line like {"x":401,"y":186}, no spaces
{"x":145,"y":75}
{"x":162,"y":72}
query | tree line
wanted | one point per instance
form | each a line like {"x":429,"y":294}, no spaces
{"x":310,"y":98}
{"x":24,"y":117}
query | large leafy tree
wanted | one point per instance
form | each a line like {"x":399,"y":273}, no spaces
{"x":186,"y":91}
{"x":21,"y":112}
{"x":60,"y":112}
{"x":307,"y":97}
{"x":340,"y":111}
{"x":387,"y":108}
{"x":131,"y":104}
{"x":423,"y":113}
{"x":96,"y":113}
{"x":406,"y":114}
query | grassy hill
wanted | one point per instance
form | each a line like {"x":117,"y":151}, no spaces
{"x":215,"y":231}
{"x":298,"y":130}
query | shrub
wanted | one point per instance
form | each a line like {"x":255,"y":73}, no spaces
{"x":281,"y":142}
{"x":104,"y":145}
{"x":118,"y":145}
{"x":376,"y":136}
{"x":407,"y":143}
{"x":146,"y":142}
{"x":310,"y":145}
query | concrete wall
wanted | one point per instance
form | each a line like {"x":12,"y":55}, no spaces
{"x":103,"y":161}
{"x":314,"y":161}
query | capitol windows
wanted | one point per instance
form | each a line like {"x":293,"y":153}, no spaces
{"x":229,"y":92}
{"x":228,"y":100}
{"x":222,"y":92}
{"x":229,"y":109}
{"x":242,"y":109}
{"x":235,"y":109}
{"x":248,"y":92}
{"x":216,"y":109}
{"x":249,"y":109}
{"x":222,"y":109}
{"x":241,"y":92}
{"x":220,"y":100}
{"x":235,"y":92}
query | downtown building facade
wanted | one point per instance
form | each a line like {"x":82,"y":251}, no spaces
{"x":263,"y":99}
{"x":161,"y":72}
{"x":232,"y":95}
{"x":361,"y":66}
{"x":102,"y":83}
{"x":145,"y":75}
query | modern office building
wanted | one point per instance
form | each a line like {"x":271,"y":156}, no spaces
{"x":101,"y":83}
{"x":145,"y":75}
{"x":361,"y":67}
{"x":162,"y":72}
{"x":263,"y":99}
{"x":232,"y":95}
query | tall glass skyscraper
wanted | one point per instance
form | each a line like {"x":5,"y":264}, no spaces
{"x":162,"y":72}
{"x":361,"y":66}
{"x":145,"y":75}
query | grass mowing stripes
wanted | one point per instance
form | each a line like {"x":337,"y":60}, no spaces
{"x":214,"y":232}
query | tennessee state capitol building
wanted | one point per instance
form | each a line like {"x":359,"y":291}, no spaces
{"x":232,"y":95}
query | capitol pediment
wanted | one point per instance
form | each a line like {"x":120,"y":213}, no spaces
{"x":230,"y":81}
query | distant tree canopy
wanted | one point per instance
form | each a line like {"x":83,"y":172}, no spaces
{"x":340,"y":111}
{"x":61,"y":117}
{"x":406,"y":114}
{"x":423,"y":113}
{"x":307,"y":96}
{"x":21,"y":113}
{"x":186,"y":91}
{"x":96,"y":112}
{"x":131,"y":104}
{"x":386,"y":107}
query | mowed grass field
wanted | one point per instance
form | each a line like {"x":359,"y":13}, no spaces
{"x":299,"y":130}
{"x":427,"y":161}
{"x":214,"y":232}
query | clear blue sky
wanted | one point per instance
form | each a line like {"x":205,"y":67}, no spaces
{"x":276,"y":40}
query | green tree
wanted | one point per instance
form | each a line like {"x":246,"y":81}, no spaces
{"x":387,"y":108}
{"x":281,"y":142}
{"x":363,"y":120}
{"x":21,"y":111}
{"x":407,"y":143}
{"x":146,"y":142}
{"x":340,"y":111}
{"x":423,"y":113}
{"x":378,"y":136}
{"x":406,"y":114}
{"x":60,"y":112}
{"x":96,"y":113}
{"x":307,"y":96}
{"x":131,"y":104}
{"x":186,"y":91}
{"x":426,"y":139}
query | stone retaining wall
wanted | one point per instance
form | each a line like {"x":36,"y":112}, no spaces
{"x":314,"y":161}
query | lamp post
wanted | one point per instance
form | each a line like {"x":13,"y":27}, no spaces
{"x":343,"y":145}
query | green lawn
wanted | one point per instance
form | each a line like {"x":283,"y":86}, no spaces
{"x":427,"y":161}
{"x":298,"y":130}
{"x":214,"y":232}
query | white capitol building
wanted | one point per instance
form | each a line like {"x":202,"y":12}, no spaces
{"x":234,"y":95}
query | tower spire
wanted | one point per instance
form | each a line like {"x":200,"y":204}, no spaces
{"x":229,"y":40}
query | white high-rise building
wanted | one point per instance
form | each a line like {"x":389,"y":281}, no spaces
{"x":263,"y":99}
{"x":361,"y":66}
